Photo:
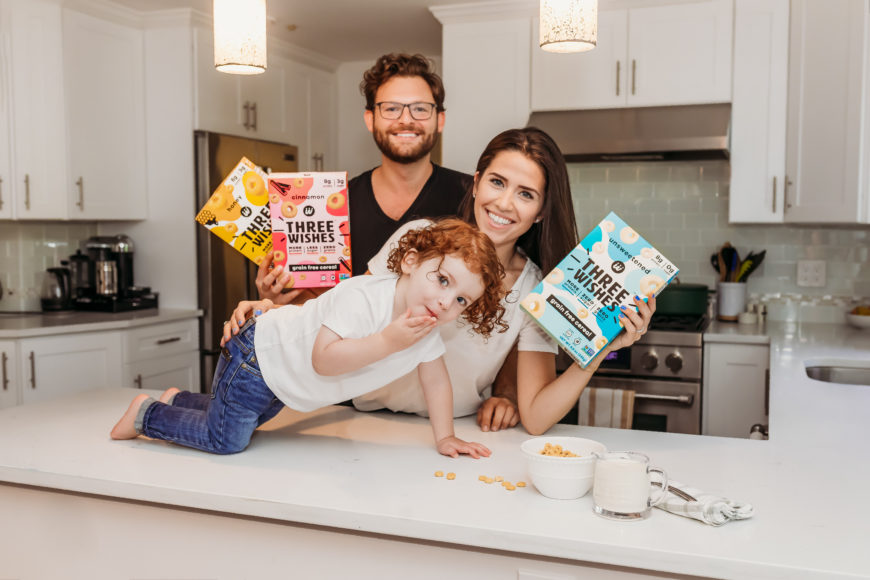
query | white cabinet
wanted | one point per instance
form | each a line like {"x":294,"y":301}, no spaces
{"x":54,"y":366}
{"x":827,"y":145}
{"x":646,"y":56}
{"x":735,"y":388}
{"x":37,"y":186}
{"x":481,"y":100}
{"x":5,"y":120}
{"x":9,"y":390}
{"x":321,"y":150}
{"x":160,"y":356}
{"x":758,"y":111}
{"x":244,"y":105}
{"x":105,"y":96}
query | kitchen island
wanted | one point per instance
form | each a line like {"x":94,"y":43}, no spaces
{"x":339,"y":493}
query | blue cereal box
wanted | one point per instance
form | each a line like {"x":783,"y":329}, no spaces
{"x":578,"y":302}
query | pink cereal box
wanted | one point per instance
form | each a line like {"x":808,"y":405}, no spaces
{"x":310,"y":227}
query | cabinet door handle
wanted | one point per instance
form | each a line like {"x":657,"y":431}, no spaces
{"x":247,"y":108}
{"x":1,"y":193}
{"x":633,"y":75}
{"x":767,"y":391}
{"x":138,"y":381}
{"x":32,"y":370}
{"x":254,"y":112}
{"x":80,"y":184}
{"x":617,"y":77}
{"x":26,"y":191}
{"x":5,"y":377}
{"x":773,"y":205}
{"x":168,"y":340}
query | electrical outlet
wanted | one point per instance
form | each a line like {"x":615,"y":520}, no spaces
{"x":811,"y":273}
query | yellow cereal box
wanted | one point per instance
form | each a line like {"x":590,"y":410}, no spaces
{"x":310,"y":227}
{"x":238,"y":211}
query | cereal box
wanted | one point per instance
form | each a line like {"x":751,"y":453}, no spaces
{"x":238,"y":211}
{"x":310,"y":228}
{"x":578,"y":302}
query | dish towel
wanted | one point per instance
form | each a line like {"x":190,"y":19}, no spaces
{"x":707,"y":508}
{"x":602,"y":407}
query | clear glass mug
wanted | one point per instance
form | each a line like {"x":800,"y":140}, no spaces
{"x":621,"y":487}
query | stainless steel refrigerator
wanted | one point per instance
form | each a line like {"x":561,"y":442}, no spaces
{"x":224,"y":276}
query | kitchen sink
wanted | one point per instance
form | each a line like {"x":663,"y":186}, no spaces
{"x":848,"y":372}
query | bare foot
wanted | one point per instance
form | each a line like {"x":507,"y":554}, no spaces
{"x":168,"y":394}
{"x":126,"y":427}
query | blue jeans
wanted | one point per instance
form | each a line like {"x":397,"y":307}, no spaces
{"x":224,"y":421}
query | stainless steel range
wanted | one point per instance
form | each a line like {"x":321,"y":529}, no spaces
{"x":664,"y":368}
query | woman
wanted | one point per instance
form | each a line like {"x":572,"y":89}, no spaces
{"x":521,"y":199}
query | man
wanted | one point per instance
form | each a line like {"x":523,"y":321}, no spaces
{"x":405,"y":114}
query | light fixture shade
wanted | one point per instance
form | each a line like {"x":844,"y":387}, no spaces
{"x":240,"y":36}
{"x":569,"y":25}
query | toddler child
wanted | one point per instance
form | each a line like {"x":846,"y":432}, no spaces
{"x":359,"y":336}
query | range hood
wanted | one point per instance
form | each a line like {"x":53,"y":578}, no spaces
{"x":639,"y":134}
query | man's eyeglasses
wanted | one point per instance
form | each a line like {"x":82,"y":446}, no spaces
{"x":392,"y":111}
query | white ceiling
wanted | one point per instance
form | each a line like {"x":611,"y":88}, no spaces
{"x":344,"y":30}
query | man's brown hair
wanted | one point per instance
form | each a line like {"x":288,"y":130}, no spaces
{"x":401,"y":65}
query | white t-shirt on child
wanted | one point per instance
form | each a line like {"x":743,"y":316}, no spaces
{"x":471,"y":362}
{"x":355,"y":308}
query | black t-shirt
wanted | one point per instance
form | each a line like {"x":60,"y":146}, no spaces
{"x":370,"y":227}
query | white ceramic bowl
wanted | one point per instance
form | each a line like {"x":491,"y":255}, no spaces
{"x":858,"y":320}
{"x":562,"y":477}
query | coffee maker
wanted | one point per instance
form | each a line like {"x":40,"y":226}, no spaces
{"x":108,"y":285}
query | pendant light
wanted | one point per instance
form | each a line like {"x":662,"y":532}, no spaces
{"x":240,"y":36}
{"x":569,"y":25}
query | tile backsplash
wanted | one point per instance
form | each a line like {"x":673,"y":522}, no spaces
{"x":26,"y":250}
{"x":682,"y":208}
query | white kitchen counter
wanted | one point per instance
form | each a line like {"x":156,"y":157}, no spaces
{"x":26,"y":325}
{"x":371,"y":476}
{"x":734,"y":333}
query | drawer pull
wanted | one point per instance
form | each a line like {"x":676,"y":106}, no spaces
{"x":5,"y":377}
{"x":168,"y":340}
{"x":138,"y":381}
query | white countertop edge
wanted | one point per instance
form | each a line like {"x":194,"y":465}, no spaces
{"x":463,"y":536}
{"x":124,"y":320}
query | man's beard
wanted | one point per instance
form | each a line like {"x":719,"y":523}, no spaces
{"x":382,"y":139}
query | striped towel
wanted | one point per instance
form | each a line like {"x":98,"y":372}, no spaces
{"x":708,"y":508}
{"x":602,"y":407}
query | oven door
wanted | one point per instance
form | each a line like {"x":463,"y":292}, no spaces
{"x":660,"y":405}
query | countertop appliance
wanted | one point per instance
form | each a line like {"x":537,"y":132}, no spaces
{"x":665,"y":370}
{"x":224,"y":276}
{"x":55,"y":293}
{"x":109,"y":286}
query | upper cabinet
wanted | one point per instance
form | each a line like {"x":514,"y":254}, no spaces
{"x":5,"y":120}
{"x":105,"y":96}
{"x":758,"y":111}
{"x":828,"y":141}
{"x":36,"y":187}
{"x":642,"y":60}
{"x":800,"y":150}
{"x":290,"y":102}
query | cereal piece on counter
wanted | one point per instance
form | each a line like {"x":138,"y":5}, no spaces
{"x":499,"y":478}
{"x":451,"y":475}
{"x":489,"y":480}
{"x":481,"y":478}
{"x":439,"y":474}
{"x":510,"y":487}
{"x":521,"y":484}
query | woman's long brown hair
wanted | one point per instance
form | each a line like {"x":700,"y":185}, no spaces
{"x":549,"y":240}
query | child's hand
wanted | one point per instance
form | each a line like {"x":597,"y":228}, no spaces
{"x":452,"y":446}
{"x":406,"y":330}
{"x":238,"y":317}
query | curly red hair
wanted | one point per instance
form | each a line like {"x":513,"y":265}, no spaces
{"x":454,"y":237}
